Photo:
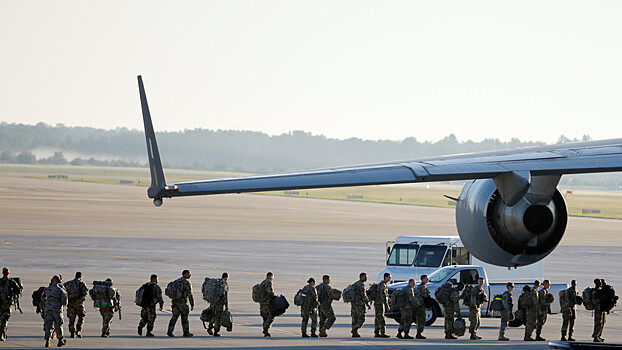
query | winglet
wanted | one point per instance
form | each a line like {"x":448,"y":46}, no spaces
{"x":157,"y":189}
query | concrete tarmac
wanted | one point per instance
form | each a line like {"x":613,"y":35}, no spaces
{"x":51,"y":227}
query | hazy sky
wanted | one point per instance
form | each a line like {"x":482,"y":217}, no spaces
{"x":369,"y":69}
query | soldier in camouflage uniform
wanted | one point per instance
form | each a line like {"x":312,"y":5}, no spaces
{"x":219,"y":306}
{"x":148,"y":313}
{"x":55,"y":299}
{"x":506,"y":313}
{"x":75,"y":305}
{"x":107,"y":311}
{"x":381,"y":304}
{"x":599,"y":315}
{"x":265,"y":309}
{"x":357,"y":307}
{"x":478,"y":297}
{"x":325,"y":299}
{"x":452,"y":308}
{"x":180,"y":307}
{"x":423,"y":294}
{"x":568,"y":302}
{"x":531,"y":311}
{"x":8,"y":287}
{"x":309,"y":309}
{"x":543,"y":308}
{"x":405,"y":298}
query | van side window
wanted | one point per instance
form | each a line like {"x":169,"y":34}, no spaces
{"x":460,"y":256}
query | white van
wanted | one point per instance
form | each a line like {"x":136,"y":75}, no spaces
{"x":412,"y":256}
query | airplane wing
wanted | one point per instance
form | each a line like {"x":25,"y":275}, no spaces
{"x":509,"y":168}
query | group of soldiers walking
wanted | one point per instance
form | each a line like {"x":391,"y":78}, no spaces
{"x":533,"y":305}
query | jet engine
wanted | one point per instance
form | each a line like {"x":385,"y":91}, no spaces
{"x":509,"y":235}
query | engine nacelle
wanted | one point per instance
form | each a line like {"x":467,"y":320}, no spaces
{"x":504,"y":235}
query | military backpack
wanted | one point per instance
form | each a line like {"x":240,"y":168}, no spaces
{"x":103,"y":294}
{"x":176,"y":290}
{"x":497,"y":303}
{"x":258,"y":294}
{"x":226,"y":320}
{"x":349,"y":294}
{"x":459,"y":326}
{"x":37,"y":297}
{"x":73,"y":290}
{"x":372,"y":292}
{"x":10,"y":288}
{"x":144,"y":295}
{"x":608,"y":298}
{"x":213,"y":289}
{"x":466,"y":295}
{"x":442,"y":294}
{"x":206,"y":316}
{"x":398,"y":299}
{"x":299,"y":298}
{"x":587,"y":298}
{"x":524,"y":300}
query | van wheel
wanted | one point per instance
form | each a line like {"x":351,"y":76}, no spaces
{"x":432,"y":314}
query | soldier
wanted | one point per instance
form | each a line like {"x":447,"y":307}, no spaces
{"x":309,"y":309}
{"x":325,"y":299}
{"x":568,"y":302}
{"x":8,"y":290}
{"x":451,"y":308}
{"x":357,"y":307}
{"x":265,"y":309}
{"x":531,"y":310}
{"x":55,"y":298}
{"x":76,"y":292}
{"x":406,"y":304}
{"x":381,"y":304}
{"x":219,"y":306}
{"x":507,"y":312}
{"x":599,"y":314}
{"x":148,"y":313}
{"x":423,"y":294}
{"x":543,"y":308}
{"x":107,"y":310}
{"x":478,"y":297}
{"x":179,"y":305}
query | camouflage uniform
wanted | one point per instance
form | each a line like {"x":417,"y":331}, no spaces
{"x":6,"y":285}
{"x":75,"y":306}
{"x":55,"y":299}
{"x":599,"y":316}
{"x":107,"y":311}
{"x":357,"y":307}
{"x":531,"y":312}
{"x":219,"y":306}
{"x":148,"y":313}
{"x":421,"y":292}
{"x":406,"y":309}
{"x":381,"y":304}
{"x":181,"y":307}
{"x":265,"y":309}
{"x":475,"y":307}
{"x":508,"y":305}
{"x":327,"y":315}
{"x":543,"y":310}
{"x":309,"y":309}
{"x":568,"y":301}
{"x":451,"y":309}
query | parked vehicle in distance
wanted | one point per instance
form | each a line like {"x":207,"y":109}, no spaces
{"x":412,"y":256}
{"x":469,"y":274}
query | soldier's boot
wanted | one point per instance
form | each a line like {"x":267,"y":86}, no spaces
{"x":539,"y":338}
{"x":473,"y":336}
{"x":323,"y":333}
{"x":149,"y":334}
{"x":266,"y":334}
{"x":187,"y":335}
{"x":449,"y":336}
{"x":408,"y":336}
{"x":502,"y":337}
{"x":399,"y":335}
{"x":2,"y":336}
{"x":528,"y":339}
{"x":104,"y":335}
{"x":313,"y":334}
{"x":216,"y":334}
{"x":79,"y":334}
{"x":570,"y":337}
{"x":356,"y":334}
{"x":563,"y":338}
{"x":420,"y":336}
{"x":47,"y":343}
{"x":384,"y":335}
{"x":376,"y":335}
{"x":140,"y":331}
{"x":72,"y":334}
{"x":61,"y":342}
{"x":305,"y":335}
{"x":210,"y":329}
{"x":170,"y":334}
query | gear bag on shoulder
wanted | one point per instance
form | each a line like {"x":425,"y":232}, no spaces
{"x":37,"y":296}
{"x":102,"y":294}
{"x":73,"y":292}
{"x":442,"y":293}
{"x":258,"y":294}
{"x":144,"y":295}
{"x":497,"y":303}
{"x":349,"y":294}
{"x":372,"y":292}
{"x":397,"y":299}
{"x":588,"y":302}
{"x":213,"y":289}
{"x":524,"y":301}
{"x":466,"y":295}
{"x":175,"y":290}
{"x":299,"y":298}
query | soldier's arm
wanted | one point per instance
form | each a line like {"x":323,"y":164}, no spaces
{"x":63,"y":297}
{"x":190,"y":296}
{"x":270,"y":289}
{"x":363,"y":293}
{"x":84,"y":290}
{"x":158,"y":295}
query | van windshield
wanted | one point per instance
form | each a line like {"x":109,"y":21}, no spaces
{"x":403,"y":255}
{"x":431,"y":255}
{"x":439,"y":275}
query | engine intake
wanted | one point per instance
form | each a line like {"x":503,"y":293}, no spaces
{"x":512,"y":236}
